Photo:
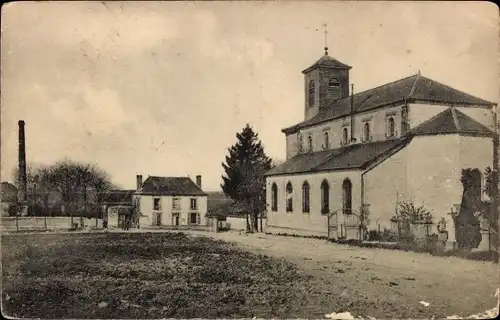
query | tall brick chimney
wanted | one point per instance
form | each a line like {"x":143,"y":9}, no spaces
{"x":139,"y":182}
{"x":22,"y":184}
{"x":198,"y":181}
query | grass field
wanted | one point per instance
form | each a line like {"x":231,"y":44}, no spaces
{"x":143,"y":275}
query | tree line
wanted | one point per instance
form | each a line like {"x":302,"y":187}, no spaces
{"x":65,"y":188}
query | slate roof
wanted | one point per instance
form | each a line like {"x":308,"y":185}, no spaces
{"x":410,"y":89}
{"x":451,"y":120}
{"x":8,"y":192}
{"x":356,"y":156}
{"x":171,"y":186}
{"x":119,"y":197}
{"x":329,"y":62}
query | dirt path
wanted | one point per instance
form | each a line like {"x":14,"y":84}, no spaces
{"x":377,"y":282}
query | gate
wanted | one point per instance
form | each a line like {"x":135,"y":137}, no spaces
{"x":345,"y":226}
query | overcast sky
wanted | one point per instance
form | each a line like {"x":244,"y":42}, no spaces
{"x":161,"y":88}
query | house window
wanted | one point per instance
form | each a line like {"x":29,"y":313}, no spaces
{"x":327,"y":140}
{"x":156,"y":204}
{"x":345,"y":136}
{"x":193,"y":204}
{"x":347,"y":196}
{"x":194,"y":218}
{"x":274,"y":197}
{"x":333,"y":83}
{"x":289,"y":198}
{"x":176,"y":203}
{"x":311,"y":93}
{"x":325,"y":197}
{"x":158,"y":219}
{"x":310,"y":143}
{"x":391,"y":128}
{"x":366,"y":132}
{"x":305,"y":197}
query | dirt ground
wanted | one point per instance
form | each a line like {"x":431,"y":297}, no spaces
{"x":366,"y":282}
{"x":380,"y":283}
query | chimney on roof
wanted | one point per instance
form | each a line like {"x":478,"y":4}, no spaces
{"x":198,"y":181}
{"x":139,"y":182}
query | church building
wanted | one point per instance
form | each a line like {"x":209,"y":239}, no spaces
{"x":365,"y":152}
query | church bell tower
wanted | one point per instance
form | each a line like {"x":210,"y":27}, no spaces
{"x":325,"y":82}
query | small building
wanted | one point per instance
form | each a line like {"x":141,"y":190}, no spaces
{"x":9,"y":199}
{"x":117,"y":205}
{"x":171,"y":201}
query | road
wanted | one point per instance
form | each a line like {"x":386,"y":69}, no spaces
{"x":380,"y":283}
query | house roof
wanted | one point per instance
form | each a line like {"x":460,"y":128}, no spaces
{"x":451,"y":120}
{"x":8,"y":192}
{"x":119,"y":197}
{"x":172,"y":186}
{"x":410,"y":89}
{"x":328,"y":62}
{"x":356,"y":156}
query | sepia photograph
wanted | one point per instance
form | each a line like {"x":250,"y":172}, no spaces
{"x":250,"y":160}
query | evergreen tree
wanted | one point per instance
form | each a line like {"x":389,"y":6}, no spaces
{"x":245,"y":166}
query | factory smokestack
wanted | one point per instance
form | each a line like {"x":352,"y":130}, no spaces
{"x":22,"y":184}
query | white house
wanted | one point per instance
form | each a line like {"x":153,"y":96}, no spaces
{"x":404,"y":140}
{"x":171,"y":201}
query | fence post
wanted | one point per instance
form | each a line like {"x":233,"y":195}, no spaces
{"x":45,"y":221}
{"x":17,"y":222}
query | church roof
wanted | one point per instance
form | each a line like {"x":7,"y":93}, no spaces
{"x":329,"y":62}
{"x":171,"y":186}
{"x":451,"y":120}
{"x":410,"y":89}
{"x":356,"y":156}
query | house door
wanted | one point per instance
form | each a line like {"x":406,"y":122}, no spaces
{"x":158,"y":219}
{"x":175,"y":219}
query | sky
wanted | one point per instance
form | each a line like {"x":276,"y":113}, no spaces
{"x":162,"y":88}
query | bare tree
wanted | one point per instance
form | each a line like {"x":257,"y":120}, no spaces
{"x":78,"y":185}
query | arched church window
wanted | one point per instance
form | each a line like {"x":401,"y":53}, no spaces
{"x":289,"y":198}
{"x":310,"y":143}
{"x":333,"y":83}
{"x":311,"y":93}
{"x":347,"y":196}
{"x":345,"y":136}
{"x":300,"y":143}
{"x":366,"y":131}
{"x":325,"y":197}
{"x":274,"y":197}
{"x":305,"y":197}
{"x":391,"y":127}
{"x":327,"y":141}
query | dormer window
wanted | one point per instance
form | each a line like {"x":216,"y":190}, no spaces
{"x":366,"y":132}
{"x":311,"y":93}
{"x":345,"y":136}
{"x":333,"y":83}
{"x":310,"y":143}
{"x":327,"y":141}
